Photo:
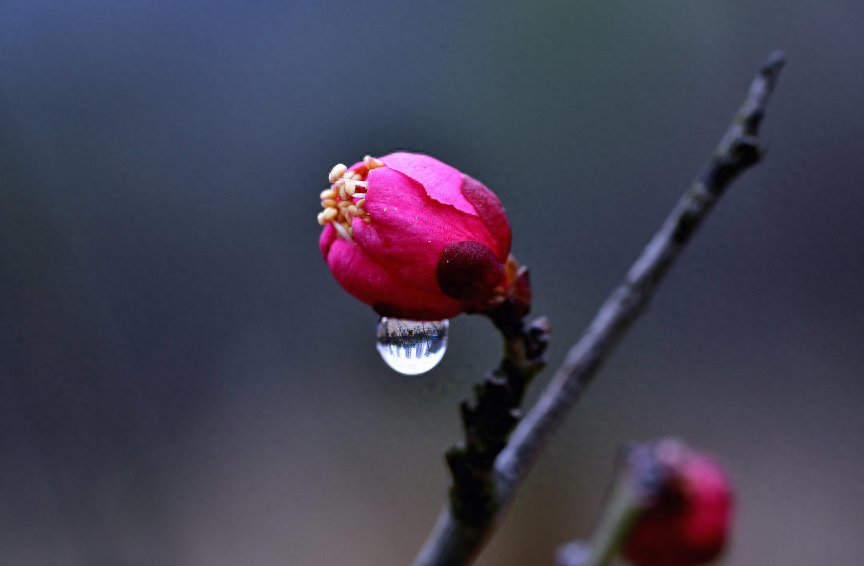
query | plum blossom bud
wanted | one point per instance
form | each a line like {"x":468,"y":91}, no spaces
{"x":686,"y":512}
{"x":415,"y":238}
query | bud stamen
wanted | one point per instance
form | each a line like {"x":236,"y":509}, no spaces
{"x":338,"y":201}
{"x":343,"y":232}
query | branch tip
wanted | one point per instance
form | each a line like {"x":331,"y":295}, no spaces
{"x":773,"y":65}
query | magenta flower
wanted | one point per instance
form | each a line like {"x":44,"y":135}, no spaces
{"x":414,"y":238}
{"x":687,"y":521}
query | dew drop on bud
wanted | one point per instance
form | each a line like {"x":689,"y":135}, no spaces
{"x":411,"y":347}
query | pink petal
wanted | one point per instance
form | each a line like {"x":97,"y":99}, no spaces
{"x":411,"y":229}
{"x":442,"y":182}
{"x":359,"y":167}
{"x":368,"y":238}
{"x":492,"y":214}
{"x":384,"y":291}
{"x":326,"y":239}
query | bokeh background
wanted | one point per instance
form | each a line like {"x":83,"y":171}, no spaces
{"x":182,"y":382}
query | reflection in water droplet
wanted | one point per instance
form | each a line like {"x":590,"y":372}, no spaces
{"x":412,"y":347}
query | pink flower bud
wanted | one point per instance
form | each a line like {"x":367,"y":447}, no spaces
{"x":687,"y":518}
{"x":413,"y":237}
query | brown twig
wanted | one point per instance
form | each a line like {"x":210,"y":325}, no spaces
{"x":494,"y":414}
{"x":462,"y":529}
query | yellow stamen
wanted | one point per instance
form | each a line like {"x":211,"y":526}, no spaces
{"x":337,"y":172}
{"x":338,"y":201}
{"x":372,"y":163}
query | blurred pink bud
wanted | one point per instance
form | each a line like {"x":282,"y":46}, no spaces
{"x":688,"y":511}
{"x":415,"y":238}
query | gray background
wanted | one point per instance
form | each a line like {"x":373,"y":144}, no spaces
{"x":182,"y":382}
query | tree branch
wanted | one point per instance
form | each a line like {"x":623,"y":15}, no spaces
{"x":460,"y":532}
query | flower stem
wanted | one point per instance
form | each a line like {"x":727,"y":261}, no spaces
{"x":622,"y":510}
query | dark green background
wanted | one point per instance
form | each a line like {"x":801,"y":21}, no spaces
{"x":182,"y":382}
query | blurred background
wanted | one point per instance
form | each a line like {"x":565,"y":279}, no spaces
{"x":182,"y":382}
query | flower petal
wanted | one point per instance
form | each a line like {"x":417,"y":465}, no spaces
{"x":328,"y":235}
{"x":442,"y":182}
{"x":412,"y":229}
{"x":491,"y":212}
{"x":384,"y":291}
{"x":359,"y":167}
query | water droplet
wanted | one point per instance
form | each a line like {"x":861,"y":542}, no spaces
{"x":412,"y":347}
